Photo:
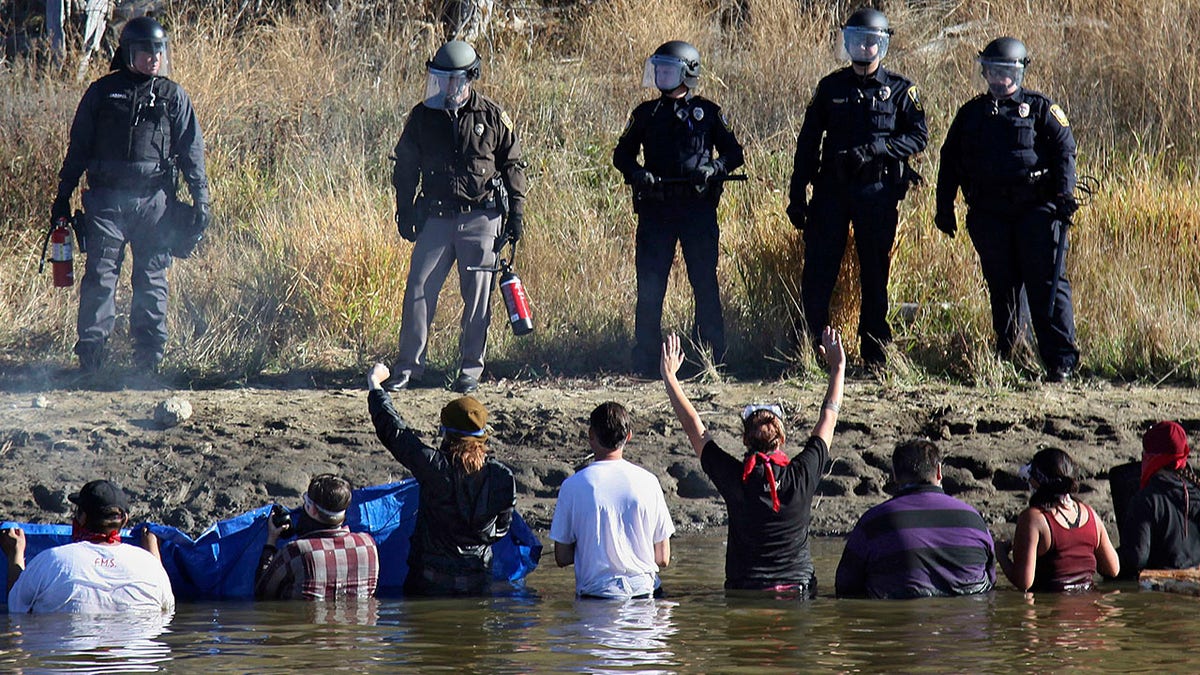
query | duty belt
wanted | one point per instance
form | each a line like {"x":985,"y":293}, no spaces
{"x":453,"y":207}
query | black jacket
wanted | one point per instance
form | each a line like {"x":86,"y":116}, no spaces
{"x":882,"y":111}
{"x":459,"y":515}
{"x":1157,"y":532}
{"x":1006,"y":153}
{"x":128,"y":130}
{"x":454,"y":155}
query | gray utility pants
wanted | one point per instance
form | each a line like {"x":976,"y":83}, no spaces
{"x":116,"y":218}
{"x":468,"y":239}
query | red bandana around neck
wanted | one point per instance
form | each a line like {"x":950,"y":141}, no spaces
{"x":80,"y":534}
{"x":776,"y":458}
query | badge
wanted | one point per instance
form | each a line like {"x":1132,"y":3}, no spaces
{"x":1059,"y":115}
{"x":506,"y":120}
{"x":697,"y":113}
{"x":1023,"y":110}
{"x":478,"y":129}
{"x":884,"y":93}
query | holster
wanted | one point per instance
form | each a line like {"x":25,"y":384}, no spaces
{"x":79,"y":226}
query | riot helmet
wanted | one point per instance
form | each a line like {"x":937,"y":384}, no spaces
{"x":865,"y":37}
{"x":1002,"y":65}
{"x":451,"y":70}
{"x":143,"y":47}
{"x":673,"y":64}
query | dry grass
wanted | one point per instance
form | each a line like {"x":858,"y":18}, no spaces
{"x":303,"y":268}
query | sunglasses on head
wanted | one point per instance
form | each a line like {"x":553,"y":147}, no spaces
{"x":772,"y":408}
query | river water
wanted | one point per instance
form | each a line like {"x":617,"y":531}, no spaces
{"x":694,"y":629}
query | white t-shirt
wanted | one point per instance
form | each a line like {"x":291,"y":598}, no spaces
{"x":613,"y":512}
{"x":87,"y":578}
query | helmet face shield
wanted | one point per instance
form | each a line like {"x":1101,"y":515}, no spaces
{"x":447,"y":89}
{"x":148,"y":57}
{"x":1002,"y":78}
{"x":665,"y":73}
{"x":864,"y":44}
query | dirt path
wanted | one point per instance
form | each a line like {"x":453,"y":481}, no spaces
{"x":249,"y":446}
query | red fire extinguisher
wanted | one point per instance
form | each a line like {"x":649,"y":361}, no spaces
{"x":62,"y":260}
{"x":516,"y":300}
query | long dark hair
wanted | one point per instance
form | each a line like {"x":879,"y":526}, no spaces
{"x":1054,"y":470}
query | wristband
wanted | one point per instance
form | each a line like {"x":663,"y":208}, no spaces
{"x":831,"y":406}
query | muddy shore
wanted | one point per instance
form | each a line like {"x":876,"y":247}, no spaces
{"x":247,"y":446}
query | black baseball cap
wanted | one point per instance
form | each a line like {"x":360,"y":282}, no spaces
{"x":100,"y":498}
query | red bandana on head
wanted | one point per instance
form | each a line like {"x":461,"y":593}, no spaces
{"x":777,"y":458}
{"x":1163,"y":447}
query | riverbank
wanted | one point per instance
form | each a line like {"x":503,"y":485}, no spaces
{"x":248,"y":446}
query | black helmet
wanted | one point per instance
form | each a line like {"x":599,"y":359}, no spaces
{"x":672,"y":64}
{"x":142,"y":34}
{"x":1005,"y":51}
{"x":145,"y":34}
{"x":868,"y":17}
{"x":456,"y":55}
{"x":866,"y":36}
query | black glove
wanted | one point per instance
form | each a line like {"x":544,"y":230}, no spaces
{"x":702,"y":174}
{"x":797,"y":212}
{"x":201,"y":217}
{"x":946,"y":222}
{"x":406,"y":224}
{"x":642,"y":178}
{"x":514,"y":228}
{"x":858,"y":157}
{"x":61,"y":208}
{"x":1066,"y":206}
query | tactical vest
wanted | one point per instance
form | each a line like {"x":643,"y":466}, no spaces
{"x":132,"y":137}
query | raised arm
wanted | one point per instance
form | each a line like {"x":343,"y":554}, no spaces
{"x":672,"y":358}
{"x":835,"y":358}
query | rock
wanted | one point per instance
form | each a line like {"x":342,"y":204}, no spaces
{"x":172,"y":412}
{"x":41,"y":402}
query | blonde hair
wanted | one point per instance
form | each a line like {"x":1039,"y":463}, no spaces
{"x":467,"y":452}
{"x":763,"y":432}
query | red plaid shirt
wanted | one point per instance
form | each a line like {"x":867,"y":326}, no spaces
{"x":321,"y":565}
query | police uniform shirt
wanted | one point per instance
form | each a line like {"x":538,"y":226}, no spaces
{"x":454,"y":155}
{"x":882,"y":110}
{"x":1000,"y":143}
{"x":125,"y":131}
{"x":676,"y":136}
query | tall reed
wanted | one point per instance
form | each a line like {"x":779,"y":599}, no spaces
{"x":303,"y":268}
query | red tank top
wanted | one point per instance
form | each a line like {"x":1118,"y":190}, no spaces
{"x":1070,"y":563}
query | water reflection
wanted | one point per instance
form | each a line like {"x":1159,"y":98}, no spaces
{"x":80,"y":643}
{"x":613,"y":636}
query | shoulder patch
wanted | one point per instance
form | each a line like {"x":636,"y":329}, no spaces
{"x":506,"y":120}
{"x":915,"y":97}
{"x":628,"y":126}
{"x":725,"y":120}
{"x":1059,"y":115}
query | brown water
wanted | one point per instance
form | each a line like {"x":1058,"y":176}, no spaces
{"x":695,"y":629}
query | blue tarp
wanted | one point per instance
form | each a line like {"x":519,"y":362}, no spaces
{"x":220,"y":564}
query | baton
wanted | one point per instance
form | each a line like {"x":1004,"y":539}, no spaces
{"x":1060,"y":259}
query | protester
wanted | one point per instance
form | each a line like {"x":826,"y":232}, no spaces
{"x":326,"y":561}
{"x":133,"y":130}
{"x":920,"y":543}
{"x":768,"y":496}
{"x":96,"y":573}
{"x":1161,"y":529}
{"x":460,"y":196}
{"x":611,"y":519}
{"x":467,"y":497}
{"x":687,"y":147}
{"x":1012,"y":153}
{"x":861,"y":127}
{"x":1059,"y":544}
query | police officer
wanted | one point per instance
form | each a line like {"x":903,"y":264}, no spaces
{"x":133,"y":130}
{"x":861,"y":126}
{"x":1012,"y":152}
{"x":460,"y":195}
{"x":686,"y":146}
